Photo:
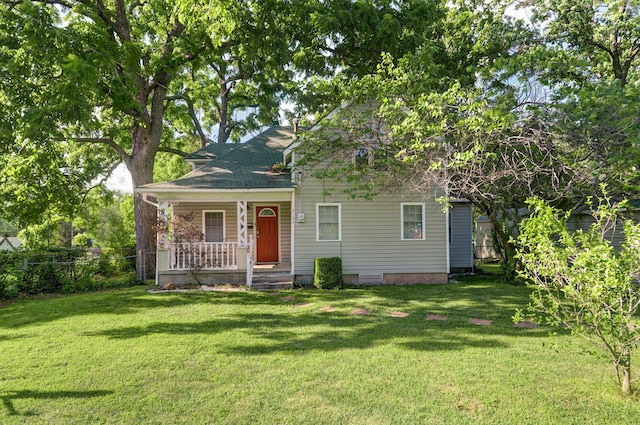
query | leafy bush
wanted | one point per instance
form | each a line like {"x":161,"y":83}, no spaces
{"x":96,"y":284}
{"x":582,"y":281}
{"x":128,"y":261}
{"x":10,"y":273}
{"x":9,"y":283}
{"x":328,"y":273}
{"x":57,"y":270}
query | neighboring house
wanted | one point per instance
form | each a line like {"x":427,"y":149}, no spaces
{"x":580,"y":219}
{"x":254,"y":214}
{"x":9,"y":243}
{"x":484,"y":240}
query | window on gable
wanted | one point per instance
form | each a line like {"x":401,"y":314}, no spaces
{"x":213,"y":226}
{"x":328,"y":226}
{"x":361,"y":157}
{"x":413,"y":221}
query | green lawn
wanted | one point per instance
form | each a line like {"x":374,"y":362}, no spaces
{"x":130,"y":357}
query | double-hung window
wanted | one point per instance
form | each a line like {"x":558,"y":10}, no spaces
{"x":213,"y":224}
{"x":412,"y":219}
{"x":328,"y":223}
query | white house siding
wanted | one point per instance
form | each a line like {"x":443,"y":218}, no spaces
{"x":461,"y":236}
{"x":371,"y":242}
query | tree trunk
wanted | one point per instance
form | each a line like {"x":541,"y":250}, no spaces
{"x":224,"y":129}
{"x":625,"y":365}
{"x":504,"y":248}
{"x":141,"y":169}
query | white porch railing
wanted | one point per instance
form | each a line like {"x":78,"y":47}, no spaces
{"x":203,"y":256}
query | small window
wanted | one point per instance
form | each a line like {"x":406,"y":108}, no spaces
{"x":328,"y":226}
{"x":361,"y":157}
{"x":267,"y":212}
{"x":213,"y":226}
{"x":413,"y":222}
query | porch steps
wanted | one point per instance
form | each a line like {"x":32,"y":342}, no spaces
{"x":272,"y":281}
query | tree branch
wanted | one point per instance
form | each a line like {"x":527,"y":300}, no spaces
{"x":172,"y":150}
{"x":122,"y":26}
{"x":109,"y":142}
{"x":196,"y":122}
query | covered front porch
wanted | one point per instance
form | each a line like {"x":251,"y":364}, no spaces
{"x":226,"y":241}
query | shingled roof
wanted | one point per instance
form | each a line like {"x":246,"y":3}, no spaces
{"x":244,"y":166}
{"x":211,"y":151}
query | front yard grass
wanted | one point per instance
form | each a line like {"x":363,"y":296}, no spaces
{"x":131,"y":357}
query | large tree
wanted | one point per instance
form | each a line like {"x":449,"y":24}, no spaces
{"x":90,"y":84}
{"x":587,"y":56}
{"x":93,"y":83}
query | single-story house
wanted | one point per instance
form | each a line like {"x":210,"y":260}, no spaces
{"x":9,"y":243}
{"x":257,"y":220}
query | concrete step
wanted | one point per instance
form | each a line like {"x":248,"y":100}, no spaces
{"x":272,"y":277}
{"x":272,"y":286}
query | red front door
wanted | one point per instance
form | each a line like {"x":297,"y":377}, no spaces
{"x":267,"y":234}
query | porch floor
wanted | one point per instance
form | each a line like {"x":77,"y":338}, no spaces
{"x":272,"y":268}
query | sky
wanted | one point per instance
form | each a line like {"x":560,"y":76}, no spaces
{"x":120,"y":180}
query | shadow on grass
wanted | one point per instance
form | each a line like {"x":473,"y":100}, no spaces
{"x":117,"y":302}
{"x":294,"y":325}
{"x":9,"y":397}
{"x":306,"y":328}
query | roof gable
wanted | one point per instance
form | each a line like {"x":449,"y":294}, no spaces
{"x":242,"y":166}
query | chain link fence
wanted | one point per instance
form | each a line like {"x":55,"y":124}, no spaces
{"x":68,"y":270}
{"x":146,"y":266}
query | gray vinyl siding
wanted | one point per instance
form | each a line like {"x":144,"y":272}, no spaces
{"x":285,"y":232}
{"x":231,"y":220}
{"x":585,"y":221}
{"x":371,"y":233}
{"x":461,"y":242}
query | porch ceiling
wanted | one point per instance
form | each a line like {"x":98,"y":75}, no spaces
{"x":251,"y":195}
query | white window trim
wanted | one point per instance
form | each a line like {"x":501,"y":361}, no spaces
{"x":354,"y":157}
{"x":318,"y":221}
{"x":424,"y":225}
{"x":224,"y":224}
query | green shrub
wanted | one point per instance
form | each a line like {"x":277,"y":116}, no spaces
{"x":41,"y":279}
{"x":328,"y":273}
{"x":61,"y":270}
{"x":10,"y":273}
{"x":9,"y":285}
{"x":98,"y":284}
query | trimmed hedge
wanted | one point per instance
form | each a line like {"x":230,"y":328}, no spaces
{"x":327,"y":273}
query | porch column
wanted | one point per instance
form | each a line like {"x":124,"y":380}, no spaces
{"x":242,"y":223}
{"x":162,"y":249}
